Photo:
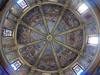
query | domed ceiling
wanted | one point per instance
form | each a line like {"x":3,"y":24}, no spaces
{"x":49,"y":37}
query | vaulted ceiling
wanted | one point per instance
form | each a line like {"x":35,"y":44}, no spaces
{"x":50,"y":37}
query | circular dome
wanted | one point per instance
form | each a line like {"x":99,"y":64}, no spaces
{"x":49,"y":37}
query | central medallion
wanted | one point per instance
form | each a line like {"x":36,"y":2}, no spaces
{"x":49,"y":37}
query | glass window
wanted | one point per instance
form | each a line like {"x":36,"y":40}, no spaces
{"x":16,"y":65}
{"x":93,"y":40}
{"x":78,"y":70}
{"x":22,"y":4}
{"x":7,"y":32}
{"x":82,"y":8}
